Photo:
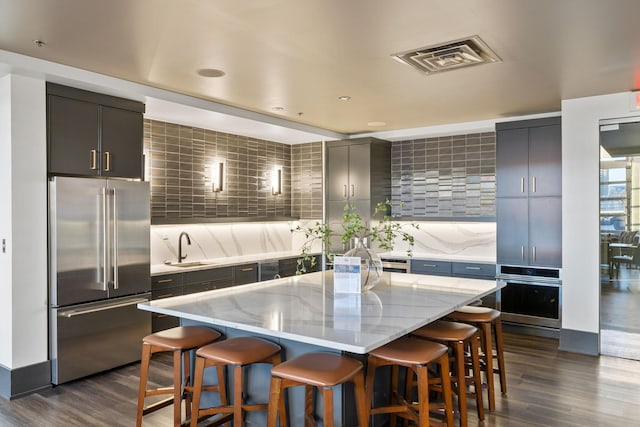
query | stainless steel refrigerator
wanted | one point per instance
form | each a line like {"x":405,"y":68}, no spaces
{"x":99,"y":271}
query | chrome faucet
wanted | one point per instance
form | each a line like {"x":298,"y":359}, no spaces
{"x":180,"y":256}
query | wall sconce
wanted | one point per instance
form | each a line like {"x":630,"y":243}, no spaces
{"x":214,"y":174}
{"x":276,"y":181}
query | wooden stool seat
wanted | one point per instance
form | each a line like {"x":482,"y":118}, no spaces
{"x":321,"y":370}
{"x":474,"y":314}
{"x":239,"y":351}
{"x":180,"y":340}
{"x":236,"y":352}
{"x":182,"y":337}
{"x":416,"y":355}
{"x":487,"y":320}
{"x":459,"y":337}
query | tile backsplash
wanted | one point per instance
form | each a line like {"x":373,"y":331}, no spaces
{"x":444,"y":177}
{"x":434,"y":178}
{"x":177,"y":156}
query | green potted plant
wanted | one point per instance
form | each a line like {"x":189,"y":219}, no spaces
{"x":381,"y":233}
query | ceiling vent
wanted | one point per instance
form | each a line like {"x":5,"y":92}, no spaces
{"x":449,"y":56}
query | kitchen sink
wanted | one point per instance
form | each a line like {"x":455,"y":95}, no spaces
{"x":187,"y":264}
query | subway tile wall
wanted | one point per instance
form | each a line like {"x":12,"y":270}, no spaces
{"x":177,"y":156}
{"x":306,"y":180}
{"x":444,"y":177}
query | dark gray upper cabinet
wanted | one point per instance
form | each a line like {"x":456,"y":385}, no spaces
{"x":528,"y":158}
{"x":91,"y":134}
{"x":359,"y":169}
{"x":358,"y":173}
{"x":529,"y":189}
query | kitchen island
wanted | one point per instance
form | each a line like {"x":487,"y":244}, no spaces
{"x":302,"y":313}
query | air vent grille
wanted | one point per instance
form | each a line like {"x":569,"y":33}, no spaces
{"x":449,"y":56}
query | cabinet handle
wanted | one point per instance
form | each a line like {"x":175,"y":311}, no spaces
{"x":472,"y":268}
{"x":533,"y":251}
{"x":247,"y":269}
{"x":93,"y":160}
{"x":165,"y":281}
{"x":533,"y":184}
{"x":164,"y":296}
{"x":344,"y":193}
{"x":430,"y":265}
{"x":522,"y":184}
{"x":107,"y":157}
{"x":522,"y":252}
{"x":353,"y":190}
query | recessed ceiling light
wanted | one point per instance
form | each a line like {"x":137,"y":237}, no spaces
{"x":210,"y":72}
{"x":39,"y":43}
{"x":277,"y":108}
{"x":376,"y":124}
{"x":344,"y":98}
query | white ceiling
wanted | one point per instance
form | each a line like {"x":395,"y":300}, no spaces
{"x":302,"y":55}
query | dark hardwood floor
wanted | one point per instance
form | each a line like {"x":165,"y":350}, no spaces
{"x":547,"y":387}
{"x":619,"y":308}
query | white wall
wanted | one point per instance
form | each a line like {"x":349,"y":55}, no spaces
{"x":580,"y":205}
{"x":23,"y":218}
{"x":5,"y":221}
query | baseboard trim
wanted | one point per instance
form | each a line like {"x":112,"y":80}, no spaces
{"x":19,"y":382}
{"x":580,"y":342}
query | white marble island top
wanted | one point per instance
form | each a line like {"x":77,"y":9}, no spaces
{"x":305,"y":308}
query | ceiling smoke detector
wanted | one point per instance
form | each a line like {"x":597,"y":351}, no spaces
{"x":449,"y":56}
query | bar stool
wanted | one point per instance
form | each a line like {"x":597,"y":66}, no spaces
{"x":459,"y":337}
{"x":321,"y":370}
{"x":487,"y":320}
{"x":237,"y":353}
{"x":416,"y":355}
{"x":180,"y":341}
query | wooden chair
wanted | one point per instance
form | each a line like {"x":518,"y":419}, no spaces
{"x":236,"y":353}
{"x":180,"y":341}
{"x":489,"y":325}
{"x":417,"y":356}
{"x":461,"y":339}
{"x":323,"y":371}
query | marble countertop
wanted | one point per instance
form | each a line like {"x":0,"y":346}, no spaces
{"x":440,"y":257}
{"x":159,"y":269}
{"x":305,"y":308}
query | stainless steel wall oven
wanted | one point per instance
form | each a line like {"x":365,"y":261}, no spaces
{"x":532,"y":296}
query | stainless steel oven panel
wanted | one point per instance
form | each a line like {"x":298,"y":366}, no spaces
{"x":529,"y":319}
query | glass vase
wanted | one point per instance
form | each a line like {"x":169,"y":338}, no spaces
{"x":370,"y":266}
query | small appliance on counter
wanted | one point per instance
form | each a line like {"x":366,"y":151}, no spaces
{"x":99,"y":261}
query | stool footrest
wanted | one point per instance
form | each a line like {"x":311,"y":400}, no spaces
{"x":158,"y":405}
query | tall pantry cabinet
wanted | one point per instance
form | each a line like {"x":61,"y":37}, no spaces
{"x":358,"y":173}
{"x":529,"y":192}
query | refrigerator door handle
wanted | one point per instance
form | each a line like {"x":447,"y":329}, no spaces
{"x":105,"y":248}
{"x":80,"y":312}
{"x":114,"y":260}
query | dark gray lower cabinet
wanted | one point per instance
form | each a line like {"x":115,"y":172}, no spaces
{"x":171,"y":285}
{"x":289,"y":266}
{"x":476,"y":270}
{"x":166,"y":286}
{"x":427,"y":266}
{"x":246,"y":273}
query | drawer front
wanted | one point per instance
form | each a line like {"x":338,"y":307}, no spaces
{"x":160,"y":322}
{"x":165,"y":293}
{"x":474,"y":269}
{"x":247,"y":273}
{"x":425,"y":266}
{"x":166,"y":281}
{"x":209,"y":275}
